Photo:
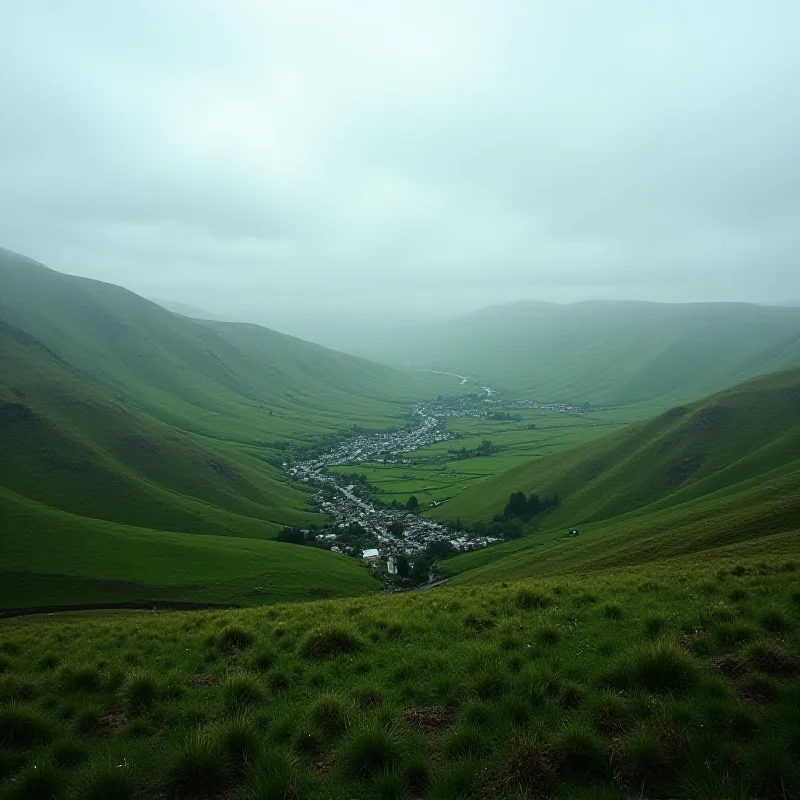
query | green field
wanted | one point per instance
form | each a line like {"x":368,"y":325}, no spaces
{"x":435,"y":474}
{"x":675,"y":680}
{"x":54,"y":558}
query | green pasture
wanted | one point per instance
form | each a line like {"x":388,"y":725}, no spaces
{"x":56,"y":558}
{"x":435,"y":473}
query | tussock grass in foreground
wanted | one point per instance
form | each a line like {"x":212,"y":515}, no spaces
{"x":549,"y":699}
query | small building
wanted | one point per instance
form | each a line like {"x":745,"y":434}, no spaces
{"x":574,"y":532}
{"x":391,"y":566}
{"x":371,"y":556}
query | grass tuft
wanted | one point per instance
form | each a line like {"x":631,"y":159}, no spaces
{"x":389,"y":784}
{"x":644,"y":758}
{"x":328,"y":711}
{"x":21,"y":726}
{"x":234,"y":638}
{"x":107,"y":780}
{"x":264,"y":660}
{"x":732,"y":635}
{"x":613,"y":611}
{"x":660,"y":668}
{"x":197,"y":765}
{"x":240,"y":739}
{"x":68,"y":751}
{"x":608,"y":712}
{"x":458,"y":779}
{"x":774,"y":769}
{"x":140,"y":692}
{"x":82,"y":678}
{"x":490,"y":681}
{"x":276,"y":777}
{"x":308,"y":740}
{"x":529,"y":767}
{"x":39,"y":781}
{"x":417,"y":775}
{"x":528,"y":598}
{"x":580,"y":751}
{"x":371,"y":748}
{"x":774,"y":620}
{"x":279,"y":681}
{"x":466,"y":740}
{"x":654,"y":626}
{"x":328,"y":643}
{"x":772,"y":659}
{"x":240,"y":692}
{"x":548,"y":636}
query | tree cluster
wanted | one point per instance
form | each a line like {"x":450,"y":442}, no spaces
{"x":485,"y":448}
{"x":522,"y":506}
{"x":503,"y":416}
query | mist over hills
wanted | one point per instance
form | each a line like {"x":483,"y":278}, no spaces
{"x":610,"y":352}
{"x":207,"y":377}
{"x":186,"y":310}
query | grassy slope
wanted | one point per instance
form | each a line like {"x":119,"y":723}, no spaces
{"x":114,"y":409}
{"x":56,"y":558}
{"x":650,"y":682}
{"x":718,"y":471}
{"x":217,"y":379}
{"x":70,"y":445}
{"x":616,"y":353}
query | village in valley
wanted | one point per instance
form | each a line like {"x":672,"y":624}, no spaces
{"x":389,"y":537}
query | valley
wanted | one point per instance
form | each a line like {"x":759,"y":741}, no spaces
{"x":376,"y":506}
{"x":628,"y":626}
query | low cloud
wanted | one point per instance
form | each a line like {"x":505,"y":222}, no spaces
{"x":283,"y":161}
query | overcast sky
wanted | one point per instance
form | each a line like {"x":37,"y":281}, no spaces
{"x":289,"y":160}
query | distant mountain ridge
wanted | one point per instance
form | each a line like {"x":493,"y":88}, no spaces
{"x":613,"y":352}
{"x":186,"y":310}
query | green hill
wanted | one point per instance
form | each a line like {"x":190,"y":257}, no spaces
{"x":117,"y":412}
{"x":236,"y":382}
{"x":718,"y":471}
{"x":70,"y":445}
{"x":613,"y":353}
{"x":53,"y":558}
